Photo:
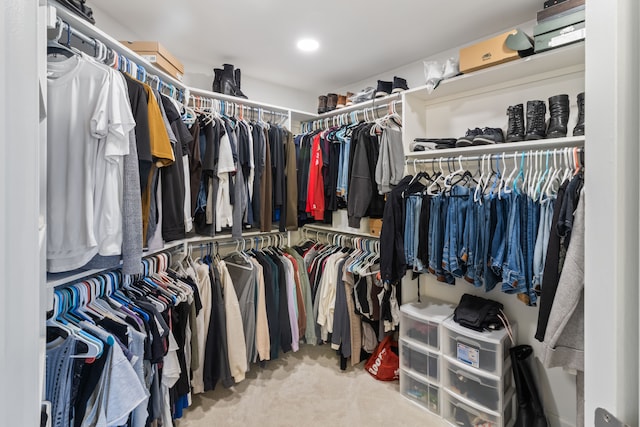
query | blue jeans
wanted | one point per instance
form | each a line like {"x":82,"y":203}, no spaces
{"x":513,"y":274}
{"x":409,"y":229}
{"x":454,"y":230}
{"x":542,"y":241}
{"x":528,"y":247}
{"x":491,"y":279}
{"x":418,"y":267}
{"x":472,"y":242}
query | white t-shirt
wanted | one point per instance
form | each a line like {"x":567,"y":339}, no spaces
{"x":88,"y":129}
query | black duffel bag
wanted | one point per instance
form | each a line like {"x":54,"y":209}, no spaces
{"x":478,"y":313}
{"x":79,"y":8}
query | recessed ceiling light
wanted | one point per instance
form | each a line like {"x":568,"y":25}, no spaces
{"x":308,"y":45}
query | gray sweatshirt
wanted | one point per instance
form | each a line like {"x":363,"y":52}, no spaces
{"x":390,"y":166}
{"x":564,"y":340}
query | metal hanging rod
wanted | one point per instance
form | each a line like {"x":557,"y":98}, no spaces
{"x":121,"y":61}
{"x":499,"y":156}
{"x":222,"y":106}
{"x":351,"y":116}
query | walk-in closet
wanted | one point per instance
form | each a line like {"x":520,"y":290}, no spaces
{"x":283,"y":214}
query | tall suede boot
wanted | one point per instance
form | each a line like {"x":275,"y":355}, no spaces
{"x":559,"y":112}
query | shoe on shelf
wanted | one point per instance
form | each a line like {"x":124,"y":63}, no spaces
{"x":489,"y":136}
{"x":559,"y":116}
{"x":536,"y":121}
{"x":322,"y":104}
{"x":217,"y":80}
{"x":399,"y":84}
{"x":515,"y":128}
{"x":342,"y":101}
{"x":238,"y":77}
{"x":384,"y":88}
{"x":468,"y":137}
{"x":332,"y":101}
{"x":350,"y":96}
{"x":579,"y":129}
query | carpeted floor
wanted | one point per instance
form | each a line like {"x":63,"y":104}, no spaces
{"x":307,"y":389}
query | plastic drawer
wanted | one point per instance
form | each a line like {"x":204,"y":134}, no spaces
{"x":419,"y":360}
{"x":487,"y":351}
{"x":461,"y":414}
{"x":487,"y":391}
{"x":420,"y":322}
{"x":419,"y":391}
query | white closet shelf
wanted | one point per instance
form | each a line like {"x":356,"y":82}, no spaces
{"x":557,"y":62}
{"x":338,"y":230}
{"x":509,"y":147}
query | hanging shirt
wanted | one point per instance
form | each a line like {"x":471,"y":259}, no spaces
{"x":86,"y":128}
{"x":315,"y":191}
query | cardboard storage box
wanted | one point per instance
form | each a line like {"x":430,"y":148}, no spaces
{"x":158,"y":55}
{"x":375,"y":226}
{"x":559,"y":31}
{"x":486,"y":53}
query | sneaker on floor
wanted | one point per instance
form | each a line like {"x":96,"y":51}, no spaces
{"x":489,"y":136}
{"x":468,"y":137}
{"x":384,"y":88}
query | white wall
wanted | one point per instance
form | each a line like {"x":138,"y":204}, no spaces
{"x":201,"y":77}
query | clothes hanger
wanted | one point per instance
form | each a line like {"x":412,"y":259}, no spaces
{"x":54,"y":47}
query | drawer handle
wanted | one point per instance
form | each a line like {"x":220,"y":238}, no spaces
{"x":460,"y":373}
{"x":469,"y":342}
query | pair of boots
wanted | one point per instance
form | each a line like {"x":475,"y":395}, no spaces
{"x":227,"y":81}
{"x":333,"y":101}
{"x":536,"y":121}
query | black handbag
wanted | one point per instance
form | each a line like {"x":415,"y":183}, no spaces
{"x":478,"y":313}
{"x":79,"y":8}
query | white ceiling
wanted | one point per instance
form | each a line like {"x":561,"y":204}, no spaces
{"x":358,"y":38}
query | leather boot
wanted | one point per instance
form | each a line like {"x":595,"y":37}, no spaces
{"x":529,"y":407}
{"x":217,"y":79}
{"x":322,"y":104}
{"x":349,"y":99}
{"x":228,"y":81}
{"x":536,"y":124}
{"x":515,"y":128}
{"x":342,"y":101}
{"x":559,"y":112}
{"x":332,"y":101}
{"x":579,"y":129}
{"x":238,"y":77}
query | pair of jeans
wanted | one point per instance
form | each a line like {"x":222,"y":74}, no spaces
{"x":490,"y":225}
{"x":471,"y":239}
{"x":513,"y":269}
{"x":439,"y":206}
{"x":528,"y":245}
{"x":410,"y":226}
{"x":542,"y":241}
{"x":454,"y":230}
{"x":418,"y":266}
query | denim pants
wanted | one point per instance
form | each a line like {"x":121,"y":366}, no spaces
{"x":513,"y":275}
{"x":529,"y":243}
{"x":439,"y":205}
{"x":410,"y":226}
{"x":490,"y":225}
{"x":454,"y":231}
{"x":472,"y":242}
{"x":542,"y":241}
{"x":418,"y":267}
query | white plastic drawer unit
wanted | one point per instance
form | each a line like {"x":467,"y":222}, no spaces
{"x":420,"y":360}
{"x":420,"y":322}
{"x":486,"y":390}
{"x":464,"y":413}
{"x":486,"y":351}
{"x":419,"y":391}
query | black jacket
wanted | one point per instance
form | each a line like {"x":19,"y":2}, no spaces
{"x":393,"y":264}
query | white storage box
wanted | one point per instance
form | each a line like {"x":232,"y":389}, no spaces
{"x":460,"y":412}
{"x":486,"y":390}
{"x":420,"y":360}
{"x":420,"y":322}
{"x":419,"y":391}
{"x":486,"y":351}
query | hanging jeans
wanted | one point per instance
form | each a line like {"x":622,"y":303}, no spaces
{"x":454,"y":231}
{"x":513,"y":280}
{"x":439,"y":206}
{"x":491,"y":279}
{"x":418,"y":266}
{"x":410,"y":227}
{"x":542,"y":241}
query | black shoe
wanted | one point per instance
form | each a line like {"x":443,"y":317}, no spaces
{"x":384,"y":88}
{"x":468,"y":137}
{"x":515,"y":129}
{"x":332,"y":101}
{"x":536,"y":122}
{"x":237,"y":74}
{"x":559,"y":112}
{"x":579,"y":129}
{"x":217,"y":79}
{"x":399,"y":84}
{"x":489,"y":136}
{"x":322,"y":104}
